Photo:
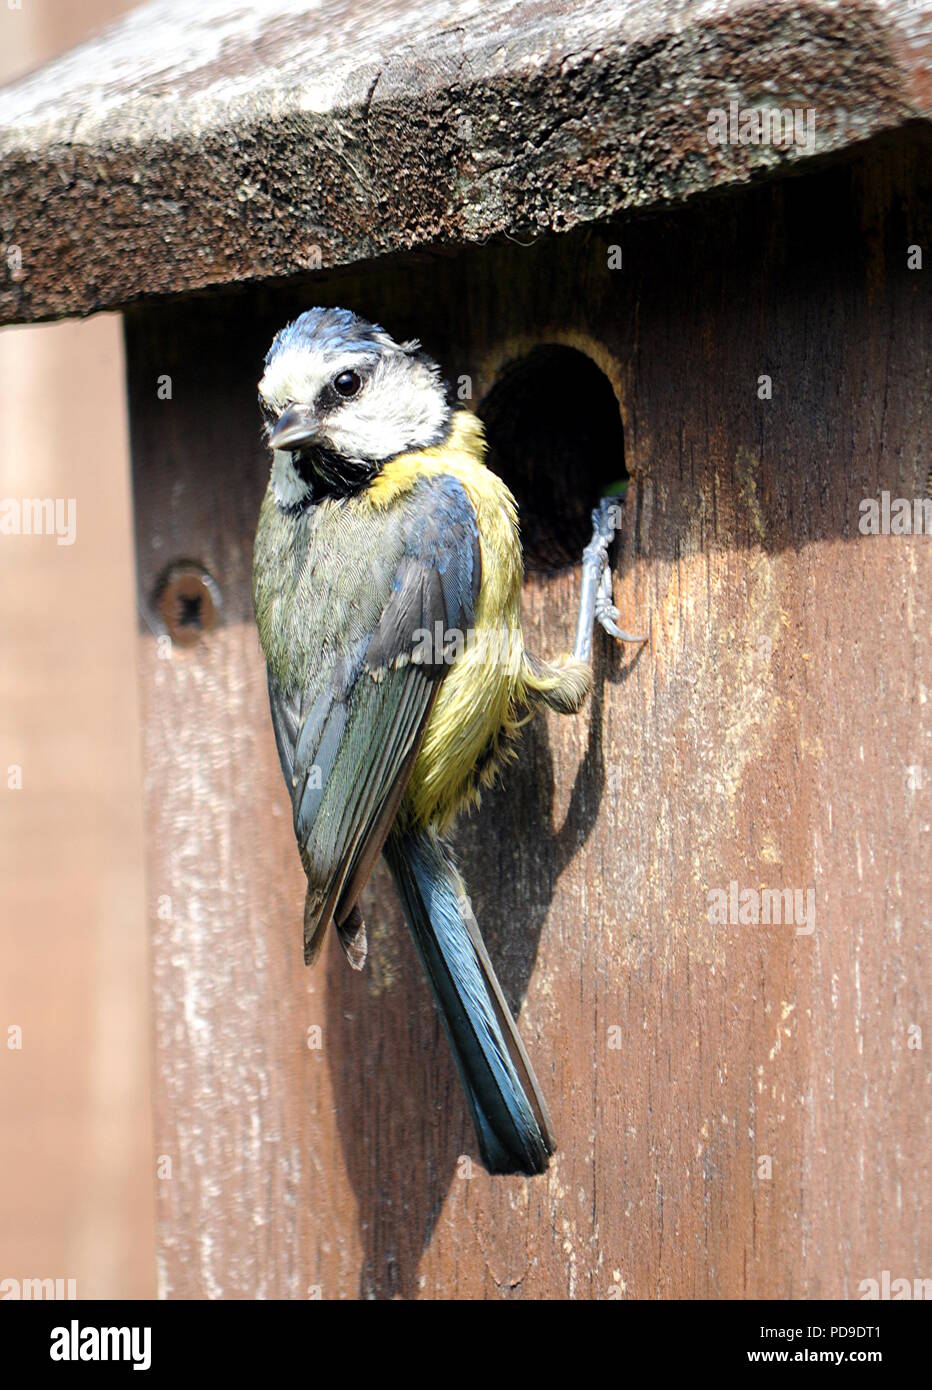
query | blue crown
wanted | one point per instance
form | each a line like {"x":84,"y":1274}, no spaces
{"x":330,"y":330}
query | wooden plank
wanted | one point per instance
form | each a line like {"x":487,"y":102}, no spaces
{"x":200,"y":145}
{"x":769,"y":735}
{"x":75,"y":1116}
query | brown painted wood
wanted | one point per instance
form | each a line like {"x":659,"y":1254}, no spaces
{"x":774,"y":732}
{"x":197,"y":145}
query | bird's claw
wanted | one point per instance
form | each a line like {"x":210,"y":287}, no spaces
{"x":595,"y":604}
{"x":605,"y":611}
{"x":607,"y":614}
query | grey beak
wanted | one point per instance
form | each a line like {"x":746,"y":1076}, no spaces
{"x":295,"y":427}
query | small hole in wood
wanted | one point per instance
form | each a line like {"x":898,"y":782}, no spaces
{"x":187,"y":599}
{"x":555,"y":435}
{"x":189,"y":610}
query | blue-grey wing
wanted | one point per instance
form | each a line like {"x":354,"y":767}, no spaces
{"x":349,"y":740}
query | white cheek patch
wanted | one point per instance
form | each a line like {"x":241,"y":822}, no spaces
{"x":401,"y":408}
{"x":288,"y":486}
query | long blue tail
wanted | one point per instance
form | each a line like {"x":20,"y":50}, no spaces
{"x":508,"y":1110}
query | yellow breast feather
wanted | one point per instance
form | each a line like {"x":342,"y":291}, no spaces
{"x":475,"y":709}
{"x":484,"y":698}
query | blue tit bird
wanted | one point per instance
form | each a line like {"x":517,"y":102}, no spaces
{"x":387,"y":587}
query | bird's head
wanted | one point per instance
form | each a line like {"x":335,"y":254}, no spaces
{"x":340,"y":398}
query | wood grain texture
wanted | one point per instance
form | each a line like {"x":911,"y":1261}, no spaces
{"x":769,"y":734}
{"x":200,"y":145}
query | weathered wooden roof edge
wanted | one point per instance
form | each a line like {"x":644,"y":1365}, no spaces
{"x":176,"y":152}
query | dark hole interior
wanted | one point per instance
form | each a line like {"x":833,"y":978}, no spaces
{"x":555,"y":435}
{"x":189,"y":610}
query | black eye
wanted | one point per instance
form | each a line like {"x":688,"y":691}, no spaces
{"x":347,"y":384}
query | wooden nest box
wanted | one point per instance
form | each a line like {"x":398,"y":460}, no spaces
{"x":679,"y":241}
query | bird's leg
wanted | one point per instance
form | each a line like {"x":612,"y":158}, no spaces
{"x":595,"y":603}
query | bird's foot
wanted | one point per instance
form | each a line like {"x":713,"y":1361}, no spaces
{"x":607,"y":614}
{"x":596,"y":604}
